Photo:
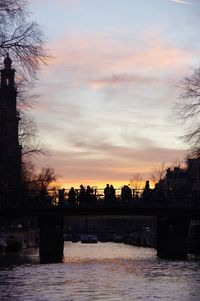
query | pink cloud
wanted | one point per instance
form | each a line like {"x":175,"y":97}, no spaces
{"x":98,"y":52}
{"x":100,"y":61}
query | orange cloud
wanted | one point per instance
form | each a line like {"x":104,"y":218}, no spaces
{"x":119,"y":165}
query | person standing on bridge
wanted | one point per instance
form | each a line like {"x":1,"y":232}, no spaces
{"x":61,"y":197}
{"x":109,"y":193}
{"x":88,"y":194}
{"x":72,"y":196}
{"x":147,"y":193}
{"x":82,"y":195}
{"x":106,"y":193}
{"x":126,"y":194}
{"x":112,"y":194}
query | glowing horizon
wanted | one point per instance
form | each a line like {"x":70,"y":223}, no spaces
{"x":101,"y":185}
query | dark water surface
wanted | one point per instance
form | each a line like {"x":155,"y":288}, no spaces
{"x":103,"y":271}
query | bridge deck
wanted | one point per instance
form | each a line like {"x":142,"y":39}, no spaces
{"x":109,"y":211}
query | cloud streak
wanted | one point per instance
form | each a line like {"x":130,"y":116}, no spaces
{"x":121,"y":79}
{"x":182,"y":2}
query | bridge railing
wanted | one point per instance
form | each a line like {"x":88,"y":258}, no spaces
{"x":97,"y":197}
{"x":57,"y":197}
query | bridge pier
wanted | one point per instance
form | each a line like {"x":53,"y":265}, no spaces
{"x":172,"y":237}
{"x":51,"y":238}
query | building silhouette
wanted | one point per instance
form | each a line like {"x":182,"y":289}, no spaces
{"x":181,"y":185}
{"x":10,"y":149}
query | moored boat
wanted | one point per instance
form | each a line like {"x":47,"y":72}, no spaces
{"x":89,"y":238}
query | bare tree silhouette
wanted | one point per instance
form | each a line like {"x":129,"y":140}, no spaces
{"x":136,"y":182}
{"x":23,"y":39}
{"x":34,"y":181}
{"x":158,"y":173}
{"x":188,"y":107}
{"x":28,"y":138}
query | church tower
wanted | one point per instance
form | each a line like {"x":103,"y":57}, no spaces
{"x":10,"y":150}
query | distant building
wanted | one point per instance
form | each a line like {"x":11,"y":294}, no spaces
{"x":10,"y":149}
{"x":181,"y":184}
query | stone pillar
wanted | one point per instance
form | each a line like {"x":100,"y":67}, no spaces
{"x":172,"y":236}
{"x":51,"y":238}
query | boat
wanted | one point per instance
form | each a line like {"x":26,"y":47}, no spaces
{"x":89,"y":238}
{"x":118,"y":238}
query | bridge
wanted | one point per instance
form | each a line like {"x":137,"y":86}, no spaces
{"x":119,"y":210}
{"x":172,"y":224}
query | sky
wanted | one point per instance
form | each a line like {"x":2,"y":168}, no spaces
{"x":105,"y":106}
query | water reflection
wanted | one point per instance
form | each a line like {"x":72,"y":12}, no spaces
{"x":29,"y":256}
{"x":103,"y":271}
{"x":105,"y":252}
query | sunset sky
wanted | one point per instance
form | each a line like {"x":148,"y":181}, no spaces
{"x":105,"y":110}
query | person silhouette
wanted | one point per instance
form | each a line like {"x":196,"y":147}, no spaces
{"x":61,"y":197}
{"x":112,"y":194}
{"x":106,"y":193}
{"x":88,"y":194}
{"x":82,"y":195}
{"x":72,"y":196}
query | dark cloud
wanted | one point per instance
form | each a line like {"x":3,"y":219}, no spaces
{"x":118,"y":79}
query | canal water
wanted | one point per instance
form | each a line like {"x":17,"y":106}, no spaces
{"x":102,"y":271}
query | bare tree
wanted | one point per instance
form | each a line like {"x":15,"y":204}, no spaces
{"x":189,"y":106}
{"x":28,"y":138}
{"x":158,"y":173}
{"x":136,"y":182}
{"x":194,"y":153}
{"x":35,"y":181}
{"x":46,"y":177}
{"x":22,"y":39}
